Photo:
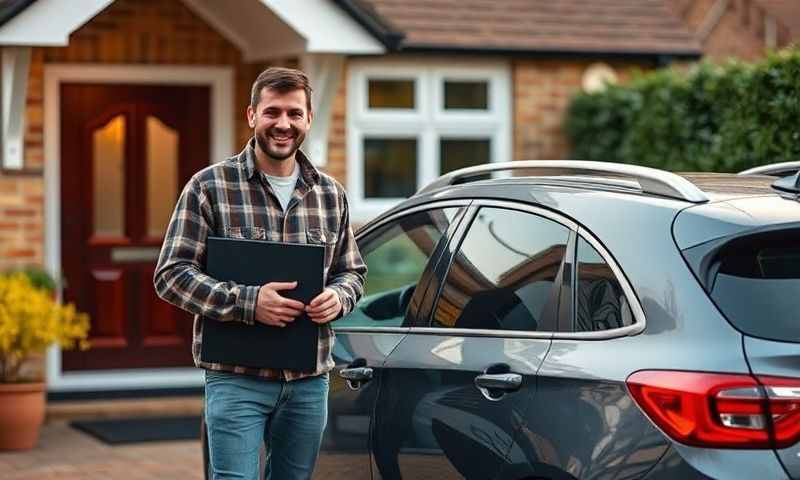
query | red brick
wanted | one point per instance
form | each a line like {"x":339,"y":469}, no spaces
{"x":19,"y":212}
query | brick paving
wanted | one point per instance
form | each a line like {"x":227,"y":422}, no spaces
{"x":67,"y":454}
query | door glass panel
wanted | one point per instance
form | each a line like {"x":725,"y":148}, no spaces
{"x":396,"y":256}
{"x":391,"y":94}
{"x":390,"y":167}
{"x":503,"y":276}
{"x":459,"y":153}
{"x":162,"y":175}
{"x":601,"y":304}
{"x":466,"y":95}
{"x":108,"y":164}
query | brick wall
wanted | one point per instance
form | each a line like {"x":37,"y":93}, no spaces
{"x":542,"y":90}
{"x":739,"y":32}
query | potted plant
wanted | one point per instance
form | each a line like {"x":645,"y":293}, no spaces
{"x":31,"y":319}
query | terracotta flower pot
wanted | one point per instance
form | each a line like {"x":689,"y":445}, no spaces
{"x":21,"y":414}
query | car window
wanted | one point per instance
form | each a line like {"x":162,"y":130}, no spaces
{"x":757,"y":284}
{"x":396,"y":255}
{"x":600,"y":301}
{"x":503,"y":276}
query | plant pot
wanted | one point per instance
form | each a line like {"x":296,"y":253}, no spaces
{"x":21,"y":414}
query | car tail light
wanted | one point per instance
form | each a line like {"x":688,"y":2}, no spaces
{"x":720,"y":410}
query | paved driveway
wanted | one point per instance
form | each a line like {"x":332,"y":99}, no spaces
{"x":67,"y":454}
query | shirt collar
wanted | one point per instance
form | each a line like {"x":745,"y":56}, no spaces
{"x":308,"y":172}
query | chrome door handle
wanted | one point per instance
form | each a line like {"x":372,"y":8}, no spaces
{"x":499,"y":381}
{"x":358,"y":374}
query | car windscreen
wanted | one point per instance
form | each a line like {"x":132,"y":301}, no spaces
{"x":757,"y":284}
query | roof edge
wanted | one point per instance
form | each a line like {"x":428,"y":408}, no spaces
{"x":662,"y":57}
{"x":12,"y":9}
{"x":376,"y":25}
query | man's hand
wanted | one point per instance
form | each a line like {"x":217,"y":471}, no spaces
{"x":325,"y":307}
{"x":275,"y":310}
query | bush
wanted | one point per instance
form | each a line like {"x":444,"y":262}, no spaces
{"x":713,"y":118}
{"x":31,"y":320}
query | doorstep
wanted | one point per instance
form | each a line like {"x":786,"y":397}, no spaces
{"x":186,"y":405}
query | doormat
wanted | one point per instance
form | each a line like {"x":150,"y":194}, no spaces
{"x":141,"y":429}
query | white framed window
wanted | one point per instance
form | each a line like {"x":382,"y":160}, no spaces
{"x":411,"y":120}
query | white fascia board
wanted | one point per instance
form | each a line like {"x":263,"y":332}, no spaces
{"x":326,"y":28}
{"x":49,"y":22}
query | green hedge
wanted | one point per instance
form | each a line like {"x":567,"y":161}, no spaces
{"x":713,"y":118}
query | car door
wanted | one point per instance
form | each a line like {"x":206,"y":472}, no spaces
{"x":400,"y":252}
{"x":583,"y":423}
{"x":455,"y":388}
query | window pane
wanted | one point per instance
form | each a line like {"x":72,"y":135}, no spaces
{"x":758,"y":283}
{"x":503,"y":276}
{"x":395,"y":256}
{"x":390,"y":167}
{"x":162,"y":175}
{"x":391,"y":94}
{"x":456,"y":153}
{"x":601,"y":303}
{"x":108,"y":164}
{"x":471,"y":95}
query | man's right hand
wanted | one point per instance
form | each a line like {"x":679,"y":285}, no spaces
{"x":274,"y":310}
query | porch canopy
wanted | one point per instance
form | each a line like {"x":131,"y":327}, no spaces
{"x":317,"y":31}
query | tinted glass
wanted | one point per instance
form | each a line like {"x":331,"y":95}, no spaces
{"x":391,"y":94}
{"x":390,"y":167}
{"x":758,"y":284}
{"x":503,"y":276}
{"x":460,"y":153}
{"x":469,"y":95}
{"x":601,"y":303}
{"x":396,"y":256}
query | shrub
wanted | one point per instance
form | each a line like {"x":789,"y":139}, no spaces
{"x":713,"y":118}
{"x":31,"y":320}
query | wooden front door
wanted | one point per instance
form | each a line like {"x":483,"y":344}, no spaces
{"x":126,"y":152}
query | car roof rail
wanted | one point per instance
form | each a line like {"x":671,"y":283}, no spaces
{"x":780,"y":169}
{"x":651,"y":181}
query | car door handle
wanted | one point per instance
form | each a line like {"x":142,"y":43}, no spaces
{"x":358,"y":374}
{"x":499,"y":381}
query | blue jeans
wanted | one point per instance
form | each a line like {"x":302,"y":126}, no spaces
{"x":243,"y":412}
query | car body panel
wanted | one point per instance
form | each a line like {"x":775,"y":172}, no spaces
{"x":347,"y":435}
{"x":435,"y":423}
{"x":778,"y":359}
{"x":703,"y":223}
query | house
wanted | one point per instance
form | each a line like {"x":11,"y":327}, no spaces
{"x":743,"y":29}
{"x":110,"y":105}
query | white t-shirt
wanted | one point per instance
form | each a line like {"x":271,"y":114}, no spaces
{"x":284,"y":186}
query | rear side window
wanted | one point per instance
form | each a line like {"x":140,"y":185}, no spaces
{"x":757,"y":285}
{"x":601,"y":303}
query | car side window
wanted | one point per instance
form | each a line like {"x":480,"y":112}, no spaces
{"x":396,"y":255}
{"x":503,"y":276}
{"x":601,"y":303}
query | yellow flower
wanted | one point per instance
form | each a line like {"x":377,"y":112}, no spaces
{"x":31,"y":320}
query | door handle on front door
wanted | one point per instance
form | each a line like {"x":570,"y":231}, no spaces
{"x":357,"y":374}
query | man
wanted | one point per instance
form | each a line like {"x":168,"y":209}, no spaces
{"x":269,"y":191}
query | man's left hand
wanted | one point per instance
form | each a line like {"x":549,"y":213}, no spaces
{"x":325,"y":307}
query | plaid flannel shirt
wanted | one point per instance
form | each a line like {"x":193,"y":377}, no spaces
{"x":234,"y":199}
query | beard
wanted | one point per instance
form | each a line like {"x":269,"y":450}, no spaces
{"x":264,"y":140}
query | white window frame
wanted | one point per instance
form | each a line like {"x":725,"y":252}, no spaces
{"x":428,"y":121}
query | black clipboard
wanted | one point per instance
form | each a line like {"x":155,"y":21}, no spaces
{"x":257,"y":262}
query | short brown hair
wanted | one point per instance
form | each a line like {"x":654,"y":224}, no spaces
{"x":282,"y":80}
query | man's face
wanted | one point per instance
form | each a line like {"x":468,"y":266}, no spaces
{"x":280,"y":122}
